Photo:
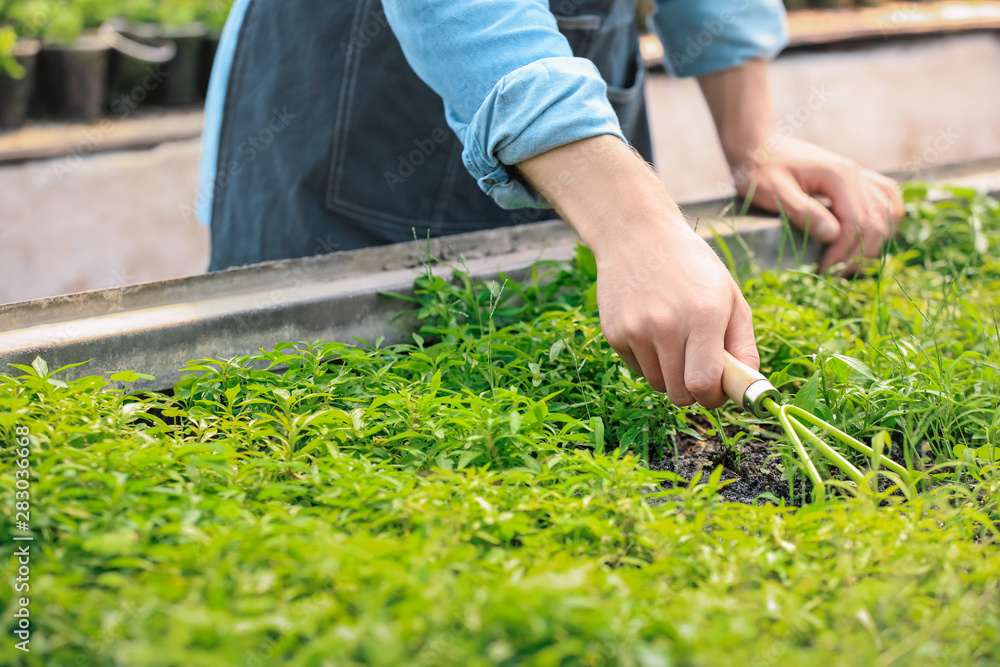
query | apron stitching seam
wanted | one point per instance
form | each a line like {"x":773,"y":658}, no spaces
{"x":235,"y":75}
{"x":349,"y":85}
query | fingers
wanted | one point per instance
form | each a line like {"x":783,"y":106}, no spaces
{"x":649,"y":360}
{"x":673,"y":329}
{"x":803,"y":210}
{"x":842,"y":251}
{"x":866,"y":204}
{"x":702,"y":370}
{"x":655,"y":350}
{"x":740,"y":339}
{"x":674,"y":364}
{"x":627,"y":356}
{"x":893,"y":198}
{"x":658,"y":341}
{"x":870,"y":208}
{"x":686,"y":362}
{"x":712,"y":332}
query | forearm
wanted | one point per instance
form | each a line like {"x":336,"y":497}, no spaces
{"x":740,"y":101}
{"x":604,"y":190}
{"x":668,"y":306}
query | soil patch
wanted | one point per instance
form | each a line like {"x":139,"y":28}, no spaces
{"x":756,"y":469}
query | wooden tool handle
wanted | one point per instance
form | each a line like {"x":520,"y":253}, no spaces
{"x":746,"y":387}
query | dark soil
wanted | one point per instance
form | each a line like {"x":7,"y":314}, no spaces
{"x":755,"y":469}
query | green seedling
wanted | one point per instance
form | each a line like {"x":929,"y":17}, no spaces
{"x":481,"y":496}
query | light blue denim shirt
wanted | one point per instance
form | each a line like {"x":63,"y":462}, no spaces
{"x":511,"y":87}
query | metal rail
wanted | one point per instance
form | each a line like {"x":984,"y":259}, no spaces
{"x":157,"y":327}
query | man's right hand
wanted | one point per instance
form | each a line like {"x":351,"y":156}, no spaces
{"x":668,"y":305}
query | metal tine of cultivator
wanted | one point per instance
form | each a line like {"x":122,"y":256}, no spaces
{"x":753,"y":392}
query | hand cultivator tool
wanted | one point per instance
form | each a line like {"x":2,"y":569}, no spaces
{"x":751,"y":391}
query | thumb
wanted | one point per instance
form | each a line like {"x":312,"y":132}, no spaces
{"x":740,"y":340}
{"x":804,"y":211}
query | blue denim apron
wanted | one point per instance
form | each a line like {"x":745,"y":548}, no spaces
{"x":322,"y":152}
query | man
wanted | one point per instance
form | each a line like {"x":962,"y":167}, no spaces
{"x":325,"y":131}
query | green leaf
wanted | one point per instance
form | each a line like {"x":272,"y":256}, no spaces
{"x":597,"y":424}
{"x":715,"y":477}
{"x":466,"y":458}
{"x":805,"y":397}
{"x":556,"y":348}
{"x":585,"y":261}
{"x":631,"y":436}
{"x":780,"y":378}
{"x":41,"y":368}
{"x":69,"y":366}
{"x":881,"y":442}
{"x":231,"y":395}
{"x":855,"y":365}
{"x":444,"y":462}
{"x":515,"y":422}
{"x":590,"y":299}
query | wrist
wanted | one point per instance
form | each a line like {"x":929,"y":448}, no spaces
{"x":751,"y":150}
{"x":746,"y":157}
{"x":646,"y":217}
{"x":606,"y":192}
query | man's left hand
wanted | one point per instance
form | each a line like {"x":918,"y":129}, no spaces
{"x":865,"y":206}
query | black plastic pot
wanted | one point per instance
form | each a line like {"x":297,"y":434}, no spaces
{"x":181,"y":86}
{"x":70,"y":80}
{"x":208,"y":49}
{"x":139,"y":53}
{"x":15,"y":94}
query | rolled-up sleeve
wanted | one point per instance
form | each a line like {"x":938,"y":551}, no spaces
{"x":703,"y":36}
{"x":512,"y":88}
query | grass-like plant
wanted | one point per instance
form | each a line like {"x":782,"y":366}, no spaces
{"x":479,"y":496}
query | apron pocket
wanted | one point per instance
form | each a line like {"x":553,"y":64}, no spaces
{"x":393,"y":156}
{"x":628,"y":100}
